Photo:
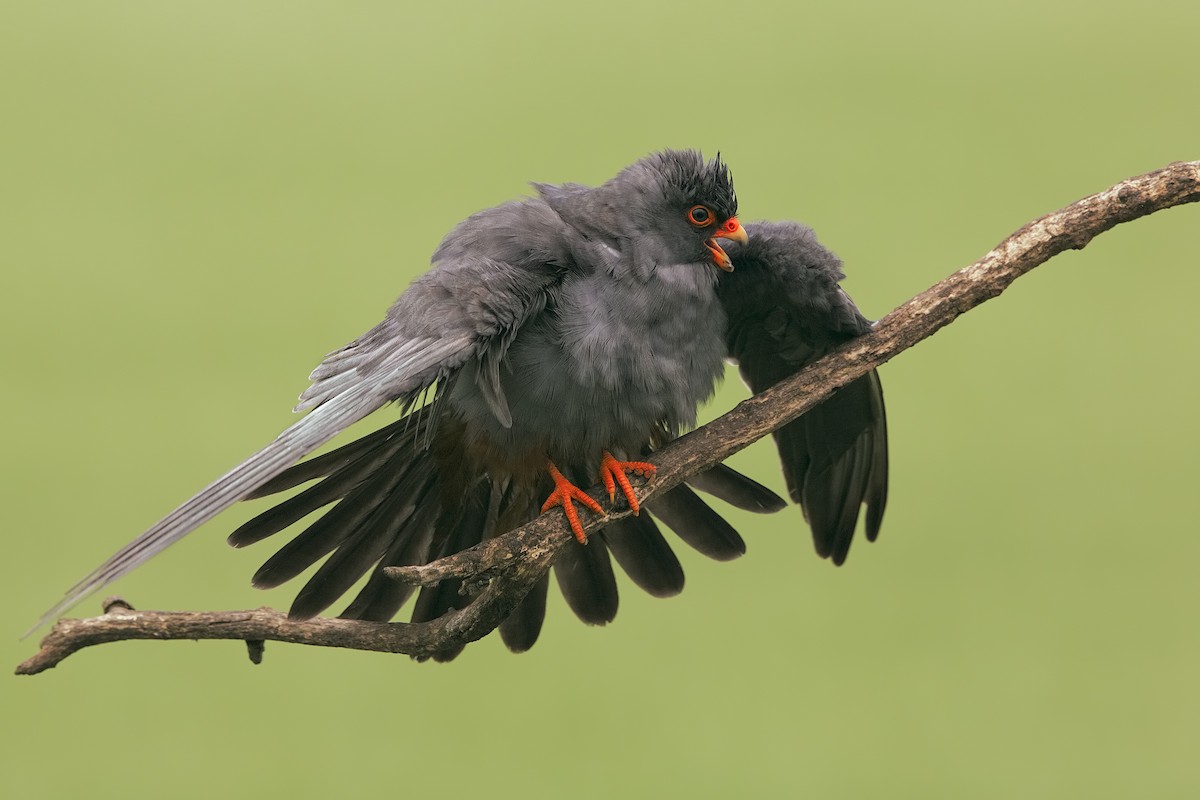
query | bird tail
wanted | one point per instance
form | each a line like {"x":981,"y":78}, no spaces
{"x":386,"y":493}
{"x":391,"y":506}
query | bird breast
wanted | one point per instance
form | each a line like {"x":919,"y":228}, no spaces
{"x":609,"y":361}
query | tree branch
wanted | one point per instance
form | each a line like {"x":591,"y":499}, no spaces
{"x":508,"y":565}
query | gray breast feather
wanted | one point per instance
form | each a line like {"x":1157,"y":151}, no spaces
{"x":607,"y":363}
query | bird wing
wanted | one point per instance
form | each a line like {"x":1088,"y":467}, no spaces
{"x":465,"y":308}
{"x":785,"y":309}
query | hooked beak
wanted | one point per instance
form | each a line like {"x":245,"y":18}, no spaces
{"x":732,"y":229}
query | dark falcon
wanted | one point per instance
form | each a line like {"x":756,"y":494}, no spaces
{"x":561,"y":338}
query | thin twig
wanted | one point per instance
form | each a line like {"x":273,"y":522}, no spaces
{"x":515,"y":560}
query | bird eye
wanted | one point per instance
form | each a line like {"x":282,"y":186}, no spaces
{"x":700,"y":216}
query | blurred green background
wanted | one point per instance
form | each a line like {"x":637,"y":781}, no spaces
{"x":199,"y":200}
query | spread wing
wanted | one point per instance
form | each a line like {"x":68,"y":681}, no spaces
{"x":785,"y":309}
{"x":465,"y":308}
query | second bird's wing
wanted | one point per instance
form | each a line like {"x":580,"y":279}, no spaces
{"x":785,"y":310}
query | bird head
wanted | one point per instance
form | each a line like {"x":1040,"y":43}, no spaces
{"x":685,"y":203}
{"x":668,"y":208}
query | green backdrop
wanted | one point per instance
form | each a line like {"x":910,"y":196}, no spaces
{"x":199,"y":200}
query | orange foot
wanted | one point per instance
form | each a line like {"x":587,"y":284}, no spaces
{"x":612,"y":472}
{"x":564,"y":492}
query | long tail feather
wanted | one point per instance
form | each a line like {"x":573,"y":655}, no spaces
{"x":644,"y":554}
{"x":697,"y":524}
{"x":738,"y":490}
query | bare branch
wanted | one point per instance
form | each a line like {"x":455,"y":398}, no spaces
{"x":510,"y":564}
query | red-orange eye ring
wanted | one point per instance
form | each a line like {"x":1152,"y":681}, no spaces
{"x":700,"y":216}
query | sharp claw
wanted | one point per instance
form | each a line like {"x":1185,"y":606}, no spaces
{"x":609,"y":486}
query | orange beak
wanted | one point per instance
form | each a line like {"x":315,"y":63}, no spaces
{"x":732,"y":229}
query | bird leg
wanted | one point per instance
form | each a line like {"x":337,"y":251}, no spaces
{"x":564,"y":492}
{"x":612,"y":472}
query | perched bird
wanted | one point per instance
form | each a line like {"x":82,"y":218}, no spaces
{"x":555,"y":339}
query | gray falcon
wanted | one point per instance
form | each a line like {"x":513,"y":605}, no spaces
{"x":555,"y":339}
